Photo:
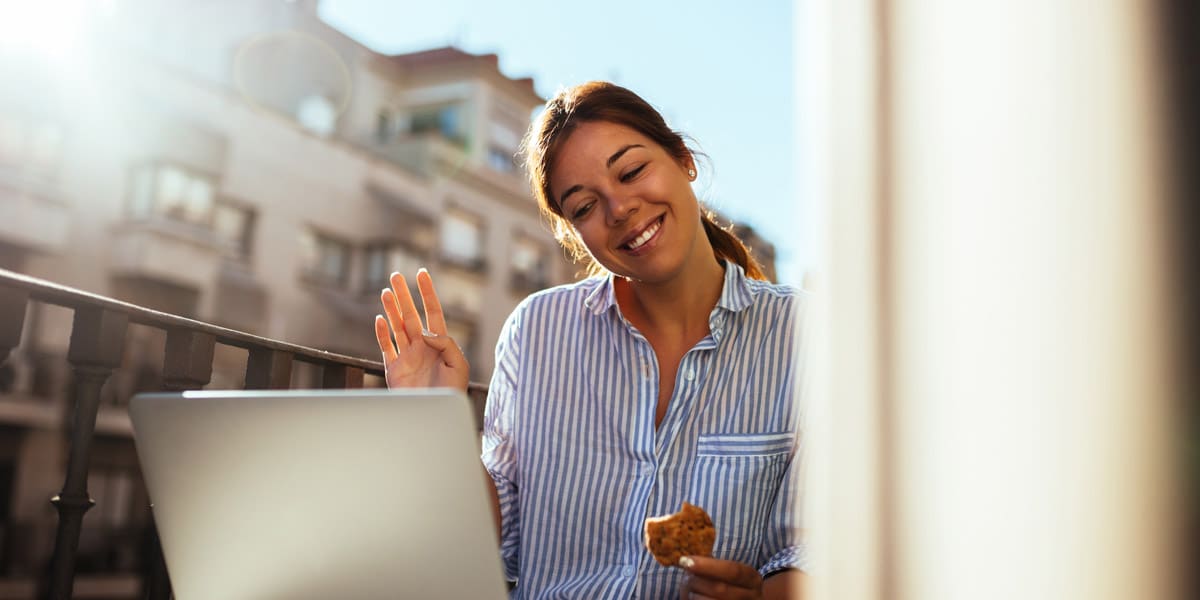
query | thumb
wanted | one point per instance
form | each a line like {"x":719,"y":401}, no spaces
{"x":451,"y":354}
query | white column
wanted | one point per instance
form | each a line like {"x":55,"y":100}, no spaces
{"x":998,"y":342}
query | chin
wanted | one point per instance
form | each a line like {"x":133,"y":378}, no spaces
{"x":654,"y":273}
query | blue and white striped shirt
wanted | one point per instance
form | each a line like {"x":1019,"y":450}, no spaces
{"x":570,"y":440}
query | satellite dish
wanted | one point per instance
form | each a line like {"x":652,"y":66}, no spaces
{"x":296,"y":74}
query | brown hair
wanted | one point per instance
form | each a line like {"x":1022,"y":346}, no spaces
{"x":603,"y":101}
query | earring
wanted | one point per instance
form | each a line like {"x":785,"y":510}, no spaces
{"x":692,"y":173}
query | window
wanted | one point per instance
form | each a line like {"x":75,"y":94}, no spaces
{"x":462,"y":239}
{"x":501,"y":160}
{"x":234,"y":225}
{"x":528,"y":264}
{"x":325,"y":259}
{"x":461,"y":294}
{"x":30,"y":144}
{"x":173,"y":192}
{"x":502,"y":146}
{"x":504,"y":136}
{"x":384,"y":123}
{"x":445,"y":119}
{"x":463,"y":333}
{"x":383,"y":259}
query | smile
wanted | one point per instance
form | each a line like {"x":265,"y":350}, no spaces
{"x":645,"y":236}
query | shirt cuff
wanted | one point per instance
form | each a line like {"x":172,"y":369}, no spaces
{"x":792,"y":557}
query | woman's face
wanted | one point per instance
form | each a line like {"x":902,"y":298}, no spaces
{"x":629,"y":201}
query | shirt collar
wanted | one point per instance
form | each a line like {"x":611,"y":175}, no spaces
{"x":736,"y":294}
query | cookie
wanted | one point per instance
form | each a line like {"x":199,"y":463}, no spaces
{"x":689,"y":532}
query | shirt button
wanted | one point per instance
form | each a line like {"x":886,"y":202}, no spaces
{"x":691,"y":374}
{"x":648,"y":471}
{"x":628,"y":571}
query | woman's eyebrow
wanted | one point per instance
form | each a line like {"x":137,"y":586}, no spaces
{"x":562,"y":200}
{"x":619,"y":153}
{"x":612,"y":159}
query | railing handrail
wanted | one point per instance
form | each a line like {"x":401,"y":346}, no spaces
{"x":61,"y":295}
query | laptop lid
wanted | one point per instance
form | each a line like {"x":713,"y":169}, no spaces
{"x":318,"y":494}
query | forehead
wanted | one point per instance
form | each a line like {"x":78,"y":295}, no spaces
{"x":591,"y":144}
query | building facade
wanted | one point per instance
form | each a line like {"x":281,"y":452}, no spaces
{"x":242,"y":163}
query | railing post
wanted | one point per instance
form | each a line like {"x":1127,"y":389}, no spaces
{"x":97,"y":342}
{"x":341,"y":377}
{"x":12,"y":307}
{"x":187,"y":365}
{"x":268,"y":369}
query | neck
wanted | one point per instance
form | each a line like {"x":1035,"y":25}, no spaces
{"x":679,"y":306}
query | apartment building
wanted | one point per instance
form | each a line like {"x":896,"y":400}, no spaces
{"x":243,"y":163}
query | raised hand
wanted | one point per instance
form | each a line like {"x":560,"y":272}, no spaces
{"x":422,"y":356}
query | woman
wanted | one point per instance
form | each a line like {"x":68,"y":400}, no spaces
{"x":666,"y":376}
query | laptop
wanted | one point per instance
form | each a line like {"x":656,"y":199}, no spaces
{"x":318,"y":494}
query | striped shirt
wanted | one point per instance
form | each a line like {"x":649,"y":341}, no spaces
{"x":570,"y":439}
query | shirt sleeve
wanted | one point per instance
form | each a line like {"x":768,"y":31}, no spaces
{"x":499,"y":452}
{"x":784,"y":544}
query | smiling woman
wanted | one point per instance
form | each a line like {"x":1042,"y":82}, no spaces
{"x":669,"y":376}
{"x":644,"y":152}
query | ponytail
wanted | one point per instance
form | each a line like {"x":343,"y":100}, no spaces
{"x":728,"y":246}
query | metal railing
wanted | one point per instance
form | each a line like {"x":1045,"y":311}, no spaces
{"x":98,"y":334}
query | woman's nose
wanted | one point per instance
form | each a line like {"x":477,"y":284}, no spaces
{"x":621,"y":207}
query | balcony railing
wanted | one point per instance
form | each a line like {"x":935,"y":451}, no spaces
{"x":99,"y":330}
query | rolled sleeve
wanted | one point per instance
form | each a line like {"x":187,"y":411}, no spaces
{"x":783,"y":544}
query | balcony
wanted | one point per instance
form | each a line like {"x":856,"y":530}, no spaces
{"x":427,"y":153}
{"x":162,"y":249}
{"x":75,"y":439}
{"x":32,"y":214}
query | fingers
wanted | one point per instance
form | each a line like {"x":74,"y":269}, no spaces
{"x":452,"y":355}
{"x":700,"y":588}
{"x":408,"y":309}
{"x":434,"y":319}
{"x":392,"y":309}
{"x":685,"y":593}
{"x":383,"y":336}
{"x":721,"y":578}
{"x":724,"y":570}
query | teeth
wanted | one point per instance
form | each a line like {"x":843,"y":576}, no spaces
{"x":646,"y":235}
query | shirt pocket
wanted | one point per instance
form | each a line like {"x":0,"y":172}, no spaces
{"x":736,"y":480}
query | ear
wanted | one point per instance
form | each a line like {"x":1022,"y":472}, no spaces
{"x":689,"y":167}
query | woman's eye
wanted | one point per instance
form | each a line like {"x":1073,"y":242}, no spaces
{"x":582,"y":210}
{"x":631,"y":174}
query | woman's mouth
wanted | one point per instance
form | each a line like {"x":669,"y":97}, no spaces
{"x":645,"y":236}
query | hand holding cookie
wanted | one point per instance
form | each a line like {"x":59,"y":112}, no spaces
{"x":685,"y":539}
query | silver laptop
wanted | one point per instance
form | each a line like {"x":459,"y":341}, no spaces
{"x":318,"y":494}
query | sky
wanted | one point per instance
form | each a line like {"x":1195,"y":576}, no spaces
{"x":719,"y":70}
